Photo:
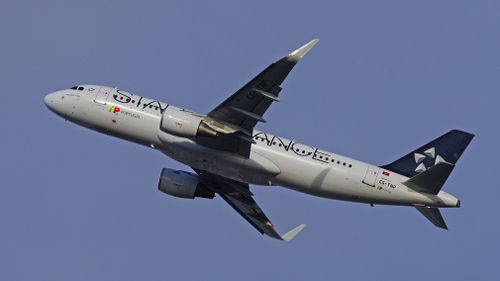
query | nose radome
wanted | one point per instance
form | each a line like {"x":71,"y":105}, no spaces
{"x":51,"y":99}
{"x":46,"y":100}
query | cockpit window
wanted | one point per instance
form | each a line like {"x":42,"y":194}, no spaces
{"x":80,"y":88}
{"x":74,"y":87}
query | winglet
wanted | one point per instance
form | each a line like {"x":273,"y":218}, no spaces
{"x":292,"y":233}
{"x":302,"y":51}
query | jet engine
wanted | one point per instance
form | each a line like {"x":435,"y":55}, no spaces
{"x":183,"y":184}
{"x":184,"y":124}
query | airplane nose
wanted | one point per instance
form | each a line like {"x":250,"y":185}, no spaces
{"x":46,"y":100}
{"x":50,"y":100}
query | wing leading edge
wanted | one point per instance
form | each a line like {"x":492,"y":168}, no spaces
{"x":239,"y":197}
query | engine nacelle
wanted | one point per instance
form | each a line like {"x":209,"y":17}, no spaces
{"x":184,"y":124}
{"x":183,"y":184}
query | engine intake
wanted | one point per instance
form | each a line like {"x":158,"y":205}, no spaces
{"x":184,"y":124}
{"x":183,"y":184}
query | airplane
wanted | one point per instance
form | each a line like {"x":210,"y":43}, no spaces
{"x":227,"y":153}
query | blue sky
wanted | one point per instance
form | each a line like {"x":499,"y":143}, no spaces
{"x":386,"y":77}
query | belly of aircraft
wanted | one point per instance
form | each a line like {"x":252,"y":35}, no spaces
{"x":254,"y":170}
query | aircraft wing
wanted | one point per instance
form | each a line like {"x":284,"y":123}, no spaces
{"x":245,"y":108}
{"x":239,"y":197}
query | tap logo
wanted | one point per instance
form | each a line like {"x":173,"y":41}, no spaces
{"x":114,"y":109}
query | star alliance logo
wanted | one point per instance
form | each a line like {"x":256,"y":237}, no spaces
{"x":419,"y":159}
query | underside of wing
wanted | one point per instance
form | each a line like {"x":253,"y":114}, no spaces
{"x":245,"y":108}
{"x":239,"y":197}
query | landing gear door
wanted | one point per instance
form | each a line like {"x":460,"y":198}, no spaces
{"x":102,"y":95}
{"x":371,"y":175}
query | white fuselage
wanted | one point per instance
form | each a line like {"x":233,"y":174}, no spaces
{"x":273,"y":160}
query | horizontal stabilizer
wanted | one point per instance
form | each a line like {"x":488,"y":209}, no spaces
{"x":432,"y":179}
{"x":434,"y":216}
{"x":292,"y":233}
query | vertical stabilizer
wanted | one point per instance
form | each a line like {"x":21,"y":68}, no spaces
{"x":447,"y":148}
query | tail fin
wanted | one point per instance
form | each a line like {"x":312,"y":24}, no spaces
{"x":434,"y":216}
{"x":447,"y":148}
